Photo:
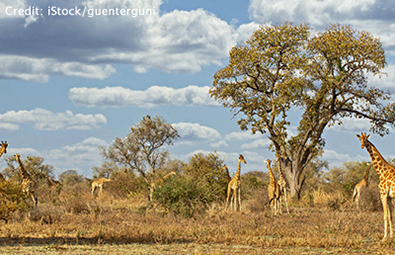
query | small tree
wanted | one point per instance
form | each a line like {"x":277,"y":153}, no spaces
{"x":70,"y":177}
{"x":184,"y":196}
{"x":206,"y":170}
{"x":141,"y":149}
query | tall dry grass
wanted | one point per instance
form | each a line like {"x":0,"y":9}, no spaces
{"x":321,"y":220}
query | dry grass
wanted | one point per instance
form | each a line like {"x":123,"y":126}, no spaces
{"x":79,"y":224}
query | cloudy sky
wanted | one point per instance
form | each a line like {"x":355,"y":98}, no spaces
{"x":70,"y":83}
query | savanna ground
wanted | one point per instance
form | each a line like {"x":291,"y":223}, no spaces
{"x":79,"y":224}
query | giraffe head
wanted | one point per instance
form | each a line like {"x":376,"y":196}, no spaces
{"x":225,"y":167}
{"x":364,"y":139}
{"x":17,"y":157}
{"x":241,"y":159}
{"x":268,"y":161}
{"x":4,"y":146}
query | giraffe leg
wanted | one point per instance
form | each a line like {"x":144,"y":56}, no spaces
{"x":227,"y":197}
{"x":100,"y":190}
{"x":34,"y":199}
{"x":235,"y":200}
{"x":384,"y":201}
{"x":357,"y":194}
{"x":239,"y":199}
{"x":285,"y":198}
{"x":279,"y":204}
{"x":390,"y":215}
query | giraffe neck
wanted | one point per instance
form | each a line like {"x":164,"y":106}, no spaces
{"x":280,"y":171}
{"x":227,"y":172}
{"x":366,"y":177}
{"x":377,"y":158}
{"x":237,"y":175}
{"x":22,"y":169}
{"x":270,"y":172}
{"x":1,"y":151}
{"x":168,"y":175}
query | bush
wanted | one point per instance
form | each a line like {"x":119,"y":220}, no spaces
{"x":183,"y":196}
{"x":206,"y":171}
{"x":74,"y":198}
{"x":12,"y":198}
{"x":125,"y":184}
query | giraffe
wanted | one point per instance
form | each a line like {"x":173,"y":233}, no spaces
{"x":3,"y":148}
{"x":282,"y":183}
{"x":157,"y":183}
{"x":386,"y":174}
{"x":99,"y":183}
{"x":235,"y":185}
{"x":226,"y":169}
{"x":54,"y":186}
{"x":273,"y":189}
{"x":364,"y":183}
{"x":28,"y":185}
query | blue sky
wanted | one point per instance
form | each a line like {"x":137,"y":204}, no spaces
{"x":70,"y":84}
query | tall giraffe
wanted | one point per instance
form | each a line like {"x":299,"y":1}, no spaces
{"x":99,"y":183}
{"x":364,"y":183}
{"x":282,"y":183}
{"x":3,"y":148}
{"x":386,"y":174}
{"x":273,"y":189}
{"x":28,"y":185}
{"x":157,"y":183}
{"x":235,"y":185}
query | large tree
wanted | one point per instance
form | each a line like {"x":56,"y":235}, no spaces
{"x":142,"y":149}
{"x":286,"y":69}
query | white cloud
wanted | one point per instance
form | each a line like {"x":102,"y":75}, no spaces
{"x":241,"y":136}
{"x":175,"y":42}
{"x":153,"y":96}
{"x":220,"y":143}
{"x":38,"y":70}
{"x":81,"y":156}
{"x":12,"y":4}
{"x":257,"y":144}
{"x":9,"y":126}
{"x":337,"y":159}
{"x":352,"y":125}
{"x":244,"y":31}
{"x":315,"y":12}
{"x":23,"y":151}
{"x":42,"y":119}
{"x":385,"y":81}
{"x":196,"y":132}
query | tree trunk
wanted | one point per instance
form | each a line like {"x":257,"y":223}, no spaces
{"x":293,"y":176}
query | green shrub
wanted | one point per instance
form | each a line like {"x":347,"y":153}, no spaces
{"x":12,"y":198}
{"x":206,"y":171}
{"x":183,"y":196}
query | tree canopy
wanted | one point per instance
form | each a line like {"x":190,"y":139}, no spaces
{"x":142,"y":149}
{"x":323,"y":75}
